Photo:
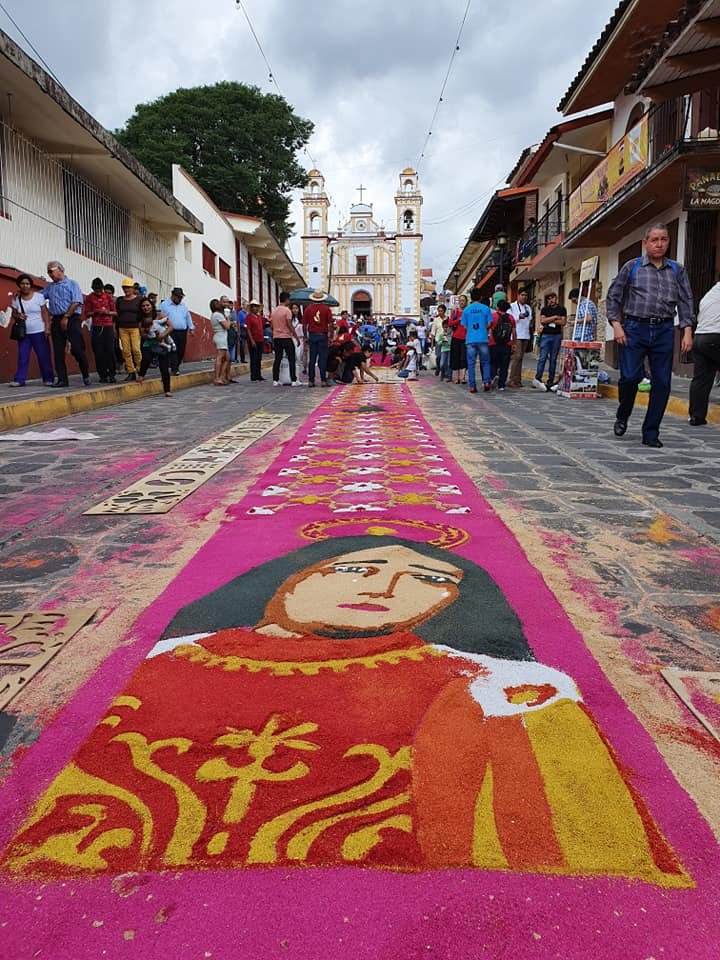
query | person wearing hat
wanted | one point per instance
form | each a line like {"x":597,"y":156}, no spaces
{"x":128,"y":324}
{"x":182,"y":324}
{"x":255,"y":338}
{"x":498,"y":295}
{"x":318,"y":324}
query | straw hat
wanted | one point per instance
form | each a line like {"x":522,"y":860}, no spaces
{"x":318,"y":296}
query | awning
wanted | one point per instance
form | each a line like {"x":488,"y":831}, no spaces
{"x":505,"y":213}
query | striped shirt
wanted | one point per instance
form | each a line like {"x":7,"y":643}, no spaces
{"x":60,"y":294}
{"x":652,"y":292}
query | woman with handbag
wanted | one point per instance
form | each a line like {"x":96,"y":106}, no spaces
{"x":31,"y":329}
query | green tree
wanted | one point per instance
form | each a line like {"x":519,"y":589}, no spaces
{"x":237,"y":142}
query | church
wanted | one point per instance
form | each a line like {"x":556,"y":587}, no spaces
{"x":368,"y":269}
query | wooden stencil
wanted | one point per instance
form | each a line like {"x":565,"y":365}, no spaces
{"x":163,"y":489}
{"x":29,"y":639}
{"x":700,"y":692}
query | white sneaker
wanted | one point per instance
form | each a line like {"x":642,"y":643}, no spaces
{"x":554,"y":388}
{"x":296,"y":383}
{"x":276,"y":383}
{"x":538,"y":385}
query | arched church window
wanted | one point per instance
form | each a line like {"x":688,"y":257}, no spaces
{"x":314,"y":187}
{"x":408,"y":186}
{"x":314,"y":223}
{"x":408,"y":219}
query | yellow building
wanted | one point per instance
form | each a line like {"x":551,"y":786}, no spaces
{"x":368,"y":269}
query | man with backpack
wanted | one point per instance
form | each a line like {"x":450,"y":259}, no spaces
{"x":641,"y":305}
{"x":501,"y":338}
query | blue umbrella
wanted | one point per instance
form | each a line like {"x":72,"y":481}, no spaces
{"x":303,"y":296}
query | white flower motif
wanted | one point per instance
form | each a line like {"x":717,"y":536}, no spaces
{"x":365,"y":456}
{"x":451,"y":489}
{"x":360,"y":508}
{"x":256,"y":511}
{"x":287,"y":472}
{"x":298,"y":458}
{"x":458,"y":510}
{"x":274,"y":491}
{"x":364,"y":471}
{"x":436,"y":471}
{"x":361,"y":487}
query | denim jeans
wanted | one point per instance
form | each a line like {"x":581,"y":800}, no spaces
{"x":656,"y":341}
{"x":319,"y":352}
{"x":444,"y":368}
{"x":549,"y":349}
{"x":477,"y":351}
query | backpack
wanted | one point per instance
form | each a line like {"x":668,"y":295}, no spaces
{"x":502,"y":333}
{"x":638,"y":262}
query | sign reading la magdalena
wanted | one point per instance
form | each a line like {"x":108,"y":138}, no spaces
{"x":702,"y":189}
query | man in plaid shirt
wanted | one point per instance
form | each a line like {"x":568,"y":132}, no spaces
{"x":641,"y":305}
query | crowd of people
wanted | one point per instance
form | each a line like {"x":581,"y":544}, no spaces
{"x":485,"y":335}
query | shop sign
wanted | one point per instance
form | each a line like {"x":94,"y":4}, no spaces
{"x":627,"y":158}
{"x":588,"y":270}
{"x":702,"y":189}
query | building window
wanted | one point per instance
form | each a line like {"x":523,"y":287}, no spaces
{"x":224,"y":273}
{"x":314,"y":188}
{"x":315,"y":223}
{"x":361,"y":265}
{"x":209,"y":259}
{"x":187,"y":246}
{"x":408,"y":220}
{"x":94,"y":226}
{"x":408,"y":186}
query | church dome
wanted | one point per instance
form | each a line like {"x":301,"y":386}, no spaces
{"x":314,"y":173}
{"x":408,"y":170}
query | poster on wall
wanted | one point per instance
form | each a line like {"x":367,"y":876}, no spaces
{"x":624,"y":161}
{"x":702,"y":189}
{"x":579,"y":366}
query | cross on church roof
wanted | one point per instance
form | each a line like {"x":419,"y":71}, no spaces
{"x":362,"y":189}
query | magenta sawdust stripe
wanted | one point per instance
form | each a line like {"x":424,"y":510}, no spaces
{"x":365,"y":513}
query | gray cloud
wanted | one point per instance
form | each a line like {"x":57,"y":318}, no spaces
{"x":368,"y":75}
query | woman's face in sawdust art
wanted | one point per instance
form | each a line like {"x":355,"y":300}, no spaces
{"x":369,"y":589}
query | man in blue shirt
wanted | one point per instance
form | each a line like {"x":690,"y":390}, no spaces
{"x":182,"y":324}
{"x":65,"y":300}
{"x":476,"y":319}
{"x":242,"y":331}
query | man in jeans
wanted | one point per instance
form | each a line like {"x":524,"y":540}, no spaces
{"x":255,"y":339}
{"x":65,"y":300}
{"x":318,"y":324}
{"x":522,"y":315}
{"x":552,"y":320}
{"x":284,"y":339}
{"x":641,"y":305}
{"x":476,"y":319}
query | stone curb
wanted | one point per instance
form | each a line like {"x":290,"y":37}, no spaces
{"x":24,"y":413}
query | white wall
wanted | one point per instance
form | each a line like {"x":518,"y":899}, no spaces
{"x":200,"y":288}
{"x":623,"y":109}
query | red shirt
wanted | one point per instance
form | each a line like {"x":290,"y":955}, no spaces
{"x":459,"y":332}
{"x":99,"y":306}
{"x":254,"y":324}
{"x":317,"y":318}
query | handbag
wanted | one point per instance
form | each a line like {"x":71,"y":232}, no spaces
{"x":19,"y":327}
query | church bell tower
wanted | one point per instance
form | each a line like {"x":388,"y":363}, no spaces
{"x":408,"y":244}
{"x":316,"y":206}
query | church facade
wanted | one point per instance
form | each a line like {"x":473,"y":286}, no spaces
{"x":368,"y":269}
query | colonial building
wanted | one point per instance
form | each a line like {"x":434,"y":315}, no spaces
{"x":367,"y":268}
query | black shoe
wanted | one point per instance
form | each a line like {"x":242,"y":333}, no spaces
{"x":696,"y":422}
{"x":86,"y":381}
{"x":103,"y":380}
{"x":112,"y":380}
{"x":130,"y":377}
{"x":61,"y":383}
{"x":619,"y":428}
{"x":652,"y":443}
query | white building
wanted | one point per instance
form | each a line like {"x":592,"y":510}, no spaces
{"x":367,"y":268}
{"x":69,"y":191}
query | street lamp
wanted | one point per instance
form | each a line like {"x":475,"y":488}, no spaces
{"x":456,"y":274}
{"x":501,"y":242}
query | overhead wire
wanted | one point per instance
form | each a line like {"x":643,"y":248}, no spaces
{"x":30,"y":44}
{"x":455,"y":51}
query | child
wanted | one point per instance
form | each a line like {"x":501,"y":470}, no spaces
{"x":412,"y":357}
{"x":444,"y":340}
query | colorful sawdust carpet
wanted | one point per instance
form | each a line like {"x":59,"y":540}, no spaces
{"x":357,"y":724}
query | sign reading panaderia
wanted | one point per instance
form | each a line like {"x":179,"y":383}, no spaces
{"x":702,"y":189}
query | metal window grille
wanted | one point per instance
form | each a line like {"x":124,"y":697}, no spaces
{"x":94,"y":225}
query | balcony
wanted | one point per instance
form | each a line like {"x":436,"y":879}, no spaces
{"x":643,"y":174}
{"x":538,"y":236}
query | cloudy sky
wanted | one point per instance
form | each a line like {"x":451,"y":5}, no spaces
{"x":367,"y":74}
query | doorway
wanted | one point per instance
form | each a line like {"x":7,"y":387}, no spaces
{"x":361,"y":304}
